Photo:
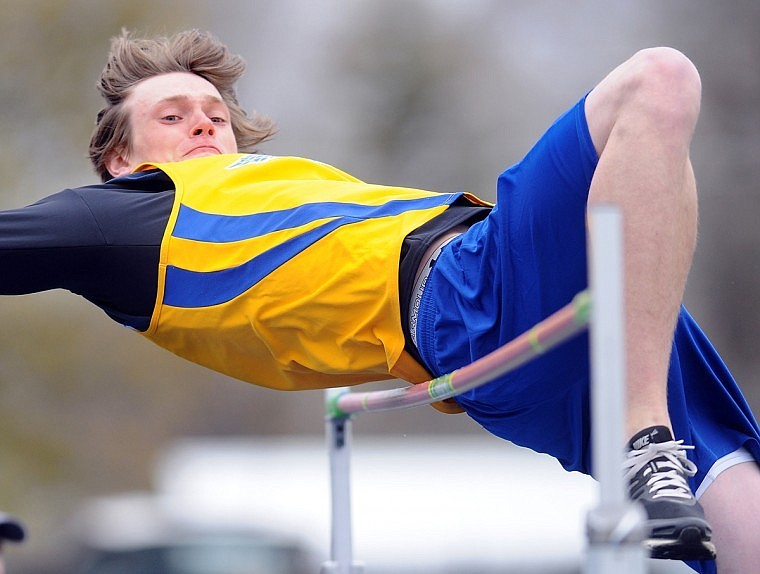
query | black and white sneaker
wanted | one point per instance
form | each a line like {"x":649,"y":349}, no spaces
{"x":656,"y":469}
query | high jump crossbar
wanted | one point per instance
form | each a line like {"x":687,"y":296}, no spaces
{"x":613,"y":527}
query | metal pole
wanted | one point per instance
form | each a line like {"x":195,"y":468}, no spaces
{"x":339,"y":449}
{"x":615,"y":526}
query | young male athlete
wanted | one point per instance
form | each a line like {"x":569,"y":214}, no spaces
{"x":292,"y":274}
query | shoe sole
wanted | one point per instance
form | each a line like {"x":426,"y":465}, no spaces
{"x":690,"y":545}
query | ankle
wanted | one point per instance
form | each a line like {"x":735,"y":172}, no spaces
{"x":649,"y":435}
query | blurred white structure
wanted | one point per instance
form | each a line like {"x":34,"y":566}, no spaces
{"x":423,"y":504}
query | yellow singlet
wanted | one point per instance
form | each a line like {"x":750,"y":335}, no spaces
{"x":283,"y":272}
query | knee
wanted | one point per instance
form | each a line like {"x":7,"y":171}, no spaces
{"x":657,"y":90}
{"x":664,"y":84}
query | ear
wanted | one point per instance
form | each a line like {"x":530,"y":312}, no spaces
{"x":117,"y":163}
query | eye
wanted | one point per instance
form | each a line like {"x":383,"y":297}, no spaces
{"x":218,"y":119}
{"x":171,"y":118}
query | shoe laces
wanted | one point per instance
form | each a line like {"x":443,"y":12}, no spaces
{"x":668,"y":468}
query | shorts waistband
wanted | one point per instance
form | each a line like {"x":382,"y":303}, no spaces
{"x":419,"y":284}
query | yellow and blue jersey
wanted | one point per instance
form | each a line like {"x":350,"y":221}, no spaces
{"x":283,"y":271}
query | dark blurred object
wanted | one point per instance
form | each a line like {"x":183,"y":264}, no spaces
{"x":10,"y":529}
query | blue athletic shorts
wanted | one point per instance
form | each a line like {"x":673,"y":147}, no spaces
{"x":526,"y":260}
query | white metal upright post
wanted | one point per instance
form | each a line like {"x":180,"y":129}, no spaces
{"x":339,"y":449}
{"x":614,"y":526}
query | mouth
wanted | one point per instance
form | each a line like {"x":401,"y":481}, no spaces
{"x":203,"y":150}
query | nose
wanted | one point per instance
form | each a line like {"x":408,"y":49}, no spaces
{"x":203,"y":125}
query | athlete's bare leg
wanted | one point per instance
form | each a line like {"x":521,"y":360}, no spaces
{"x":641,"y":118}
{"x":732,"y":505}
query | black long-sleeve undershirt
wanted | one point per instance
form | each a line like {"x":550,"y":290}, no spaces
{"x":101,"y":242}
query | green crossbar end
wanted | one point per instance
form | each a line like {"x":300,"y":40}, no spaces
{"x":332,"y":410}
{"x":582,"y":307}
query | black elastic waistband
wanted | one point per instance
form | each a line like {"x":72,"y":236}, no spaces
{"x":413,"y":249}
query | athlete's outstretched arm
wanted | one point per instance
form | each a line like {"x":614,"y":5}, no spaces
{"x":45,"y":245}
{"x":104,"y":252}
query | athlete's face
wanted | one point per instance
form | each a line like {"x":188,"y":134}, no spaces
{"x":173,"y":117}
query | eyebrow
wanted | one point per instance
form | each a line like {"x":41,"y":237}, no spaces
{"x":180,"y":98}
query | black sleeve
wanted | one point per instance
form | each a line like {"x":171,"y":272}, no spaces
{"x":100,"y":244}
{"x":40,"y":244}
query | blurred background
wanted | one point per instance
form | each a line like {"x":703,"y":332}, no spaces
{"x":435,"y":94}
